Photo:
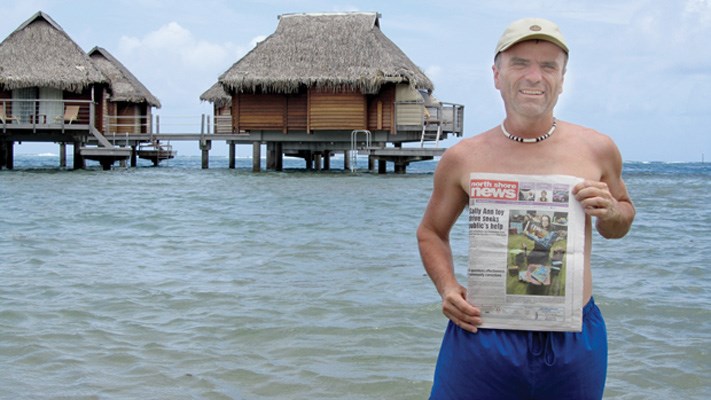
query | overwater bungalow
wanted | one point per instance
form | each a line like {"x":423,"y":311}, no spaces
{"x":51,"y":91}
{"x":128,"y":104}
{"x":332,"y":82}
{"x":221,"y":107}
{"x":128,"y":107}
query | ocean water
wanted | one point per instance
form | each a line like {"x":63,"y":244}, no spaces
{"x":181,"y":283}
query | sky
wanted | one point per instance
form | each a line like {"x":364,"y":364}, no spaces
{"x":639,"y":70}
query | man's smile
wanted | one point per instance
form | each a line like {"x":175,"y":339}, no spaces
{"x":531,"y":92}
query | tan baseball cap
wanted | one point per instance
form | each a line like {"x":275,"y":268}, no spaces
{"x":528,"y":29}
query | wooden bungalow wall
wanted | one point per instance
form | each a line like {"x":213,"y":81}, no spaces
{"x":128,"y":117}
{"x":297,"y":110}
{"x":315,"y":110}
{"x":83,"y":107}
{"x":381,"y":110}
{"x":261,"y":111}
{"x":337,"y":111}
{"x":5,"y":97}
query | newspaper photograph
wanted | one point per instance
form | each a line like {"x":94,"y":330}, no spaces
{"x":526,"y":251}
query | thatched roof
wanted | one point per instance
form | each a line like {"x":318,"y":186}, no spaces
{"x":332,"y":51}
{"x":217,"y":95}
{"x":123,"y":84}
{"x":40,"y":53}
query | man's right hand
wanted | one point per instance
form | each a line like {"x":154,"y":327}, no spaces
{"x":458,"y":310}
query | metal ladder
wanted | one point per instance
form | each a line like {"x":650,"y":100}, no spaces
{"x":353,"y":152}
{"x":432,"y":116}
{"x":426,"y":136}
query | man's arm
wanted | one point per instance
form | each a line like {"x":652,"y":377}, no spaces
{"x":608,"y":199}
{"x":446,"y":204}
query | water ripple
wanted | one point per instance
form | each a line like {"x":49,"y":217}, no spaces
{"x":183,"y":283}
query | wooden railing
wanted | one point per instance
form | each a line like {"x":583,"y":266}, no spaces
{"x":46,"y":114}
{"x":131,"y":124}
{"x":415,"y":115}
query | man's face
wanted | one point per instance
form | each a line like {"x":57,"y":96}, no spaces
{"x":529,"y":76}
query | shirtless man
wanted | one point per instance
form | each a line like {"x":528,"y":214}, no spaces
{"x":529,"y":67}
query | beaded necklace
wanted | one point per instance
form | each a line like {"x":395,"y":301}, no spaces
{"x":529,"y":140}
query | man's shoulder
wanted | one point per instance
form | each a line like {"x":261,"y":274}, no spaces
{"x":589,"y":136}
{"x":583,"y":131}
{"x":472,"y":143}
{"x":465,"y":156}
{"x":593,"y":143}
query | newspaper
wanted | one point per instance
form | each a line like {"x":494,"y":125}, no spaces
{"x":526,"y":251}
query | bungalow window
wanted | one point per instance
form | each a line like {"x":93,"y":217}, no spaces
{"x":23,"y":105}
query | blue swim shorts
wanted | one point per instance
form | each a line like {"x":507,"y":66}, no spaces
{"x":508,"y":364}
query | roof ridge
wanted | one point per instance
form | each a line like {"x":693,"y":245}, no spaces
{"x":327,"y":13}
{"x":43,"y":15}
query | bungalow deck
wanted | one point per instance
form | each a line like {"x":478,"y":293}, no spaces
{"x":315,"y":148}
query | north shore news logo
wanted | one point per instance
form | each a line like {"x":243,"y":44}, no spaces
{"x":493,"y":189}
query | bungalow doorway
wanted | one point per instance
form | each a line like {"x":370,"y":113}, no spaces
{"x":51,"y":106}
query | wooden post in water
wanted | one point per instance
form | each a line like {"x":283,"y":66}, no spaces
{"x":78,"y":159}
{"x":271,"y":156}
{"x":309,"y":160}
{"x":62,"y":155}
{"x":317,"y":161}
{"x":400,"y":166}
{"x":205,"y":145}
{"x":256,"y":156}
{"x":275,"y":156}
{"x":382,"y":166}
{"x":10,"y":155}
{"x":134,"y":156}
{"x":279,"y":153}
{"x":232,"y":154}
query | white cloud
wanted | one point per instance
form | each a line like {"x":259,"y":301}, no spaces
{"x":700,"y":9}
{"x":175,"y":44}
{"x":177,"y":66}
{"x":256,"y":40}
{"x":129,"y":44}
{"x":433,"y":72}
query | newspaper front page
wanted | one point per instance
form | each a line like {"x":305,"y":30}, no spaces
{"x":526,"y":251}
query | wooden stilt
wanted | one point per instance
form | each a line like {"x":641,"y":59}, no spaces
{"x":10,"y":161}
{"x":309,"y":159}
{"x":3,"y":154}
{"x":400,"y":167}
{"x":62,"y":155}
{"x":279,"y":153}
{"x":256,"y":156}
{"x":317,"y":161}
{"x":271,"y":156}
{"x":205,"y":148}
{"x":327,"y":160}
{"x":78,"y":159}
{"x":134,"y":156}
{"x":7,"y":154}
{"x":232,"y":155}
